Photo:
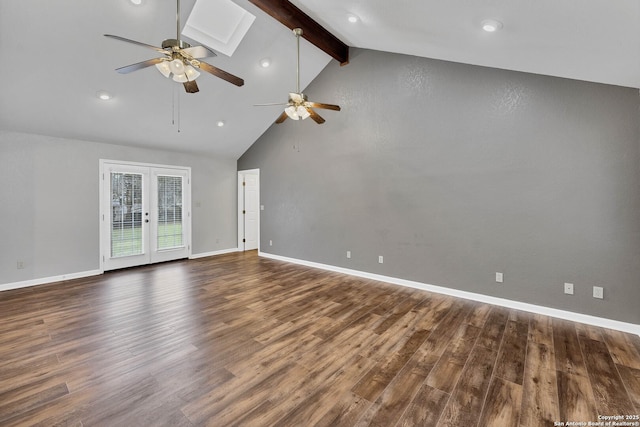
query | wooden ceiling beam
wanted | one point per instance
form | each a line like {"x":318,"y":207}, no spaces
{"x":290,"y":16}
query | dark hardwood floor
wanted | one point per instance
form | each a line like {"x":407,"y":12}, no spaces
{"x":242,"y":340}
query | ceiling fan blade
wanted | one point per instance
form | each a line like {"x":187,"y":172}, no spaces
{"x":191,"y":86}
{"x":140,"y":65}
{"x":315,"y":116}
{"x":220,"y":73}
{"x":282,"y":118}
{"x":268,"y":105}
{"x":157,"y":49}
{"x":199,"y":52}
{"x":325,"y":106}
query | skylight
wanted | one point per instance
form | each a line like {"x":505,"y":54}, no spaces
{"x":218,"y":24}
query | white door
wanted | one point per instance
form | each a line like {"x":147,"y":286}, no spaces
{"x":248,"y":210}
{"x":145,"y":214}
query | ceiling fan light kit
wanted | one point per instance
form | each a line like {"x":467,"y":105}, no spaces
{"x":297,"y":113}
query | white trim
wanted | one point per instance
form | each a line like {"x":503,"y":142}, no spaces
{"x":145,"y":165}
{"x":46,"y":280}
{"x":89,"y":273}
{"x":532,"y":308}
{"x":214,"y":253}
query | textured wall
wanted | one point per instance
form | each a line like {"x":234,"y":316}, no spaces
{"x":454,"y":172}
{"x":50,"y":214}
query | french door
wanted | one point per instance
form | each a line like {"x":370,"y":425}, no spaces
{"x":145,"y":214}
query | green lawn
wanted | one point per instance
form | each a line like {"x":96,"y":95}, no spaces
{"x":128,"y":241}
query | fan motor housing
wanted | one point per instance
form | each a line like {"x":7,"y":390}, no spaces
{"x":173,"y":43}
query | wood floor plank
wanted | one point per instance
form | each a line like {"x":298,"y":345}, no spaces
{"x":491,"y":335}
{"x":567,"y":348}
{"x":377,"y":379}
{"x":465,"y":405}
{"x":425,"y":408}
{"x":631,"y":379}
{"x":240,"y":340}
{"x":541,"y":330}
{"x":608,"y":389}
{"x":621,"y":351}
{"x":328,"y":383}
{"x":345,"y":412}
{"x":502,"y":404}
{"x":589,"y":331}
{"x":31,"y":399}
{"x":447,"y":371}
{"x":575,"y":398}
{"x":540,"y":405}
{"x":396,"y":397}
{"x":479,"y":315}
{"x":510,"y":364}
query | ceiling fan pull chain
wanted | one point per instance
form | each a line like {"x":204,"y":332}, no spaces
{"x":177,"y":92}
{"x":175,"y":108}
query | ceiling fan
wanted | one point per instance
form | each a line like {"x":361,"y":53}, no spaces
{"x":298,"y":107}
{"x":180,"y":60}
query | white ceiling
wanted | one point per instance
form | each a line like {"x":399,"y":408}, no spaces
{"x":55,"y":59}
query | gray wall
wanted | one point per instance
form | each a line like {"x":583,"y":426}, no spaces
{"x":50,"y":206}
{"x":454,"y":172}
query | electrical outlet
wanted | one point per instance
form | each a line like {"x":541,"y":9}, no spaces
{"x":598,"y":292}
{"x":568,"y":288}
{"x":380,"y":259}
{"x":499,"y":277}
{"x":270,"y":242}
{"x":20,"y":265}
{"x":348,"y":254}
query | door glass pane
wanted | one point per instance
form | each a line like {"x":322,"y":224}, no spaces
{"x":126,"y":214}
{"x":169,"y":212}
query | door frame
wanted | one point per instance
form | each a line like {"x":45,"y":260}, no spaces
{"x":241,"y":175}
{"x":103,"y":165}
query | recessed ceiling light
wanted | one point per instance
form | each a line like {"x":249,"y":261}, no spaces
{"x":491,"y":25}
{"x":104,"y":95}
{"x":352,"y":18}
{"x":220,"y":123}
{"x":265,"y":62}
{"x":136,"y":2}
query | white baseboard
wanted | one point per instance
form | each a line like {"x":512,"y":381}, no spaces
{"x":532,"y":308}
{"x":79,"y":275}
{"x":51,"y":279}
{"x":220,"y":252}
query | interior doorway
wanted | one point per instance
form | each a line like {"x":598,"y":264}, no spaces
{"x":145,"y":214}
{"x":248,"y":210}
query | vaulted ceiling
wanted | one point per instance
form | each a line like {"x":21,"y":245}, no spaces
{"x":55,"y":59}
